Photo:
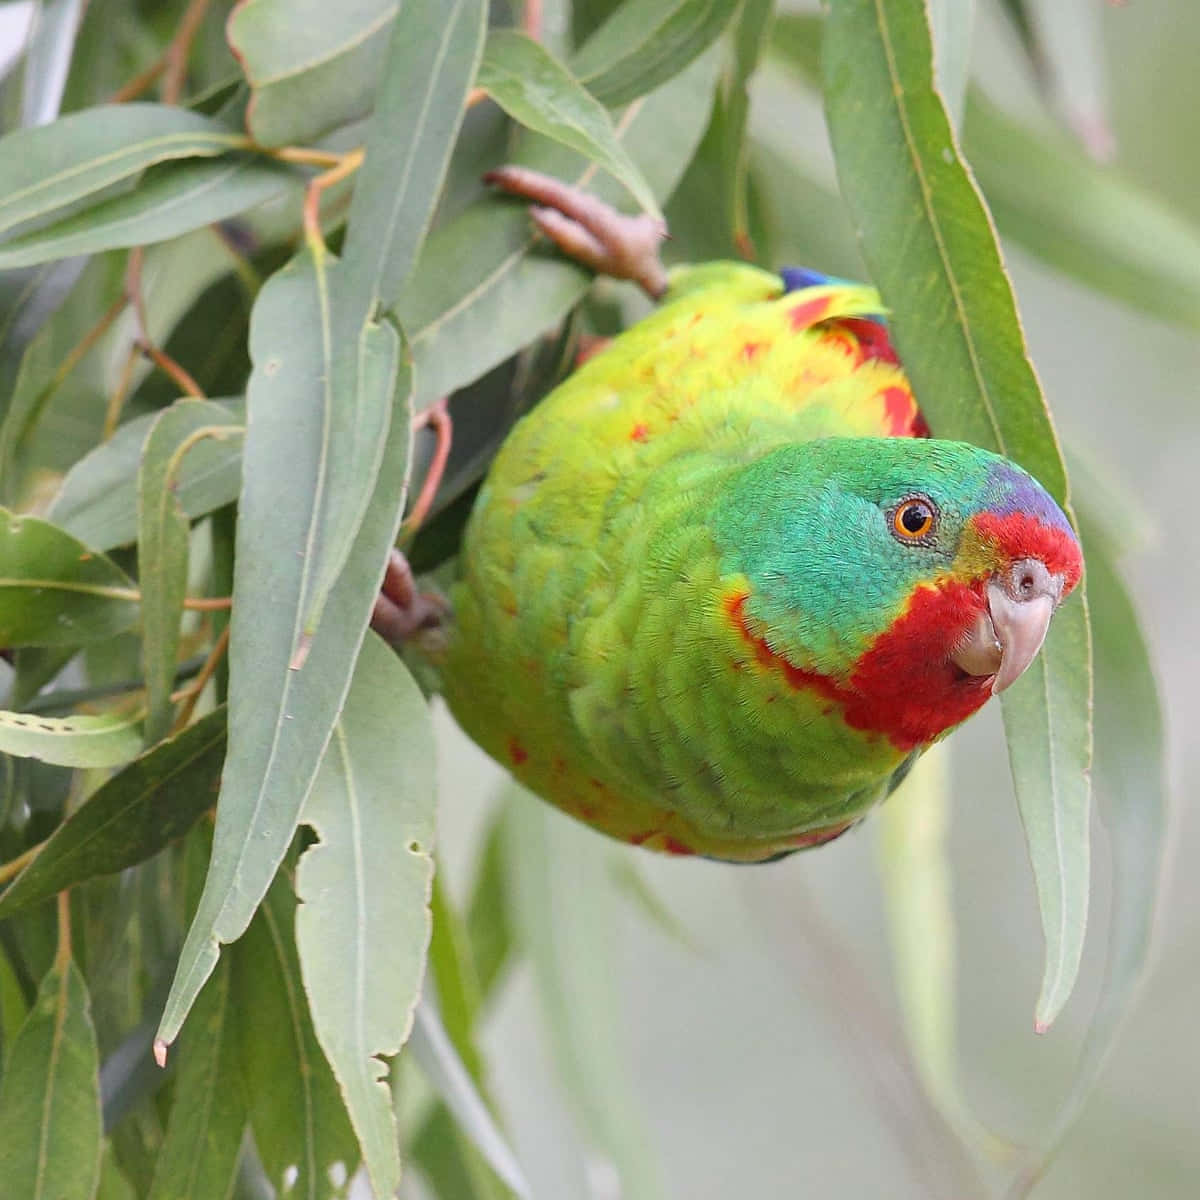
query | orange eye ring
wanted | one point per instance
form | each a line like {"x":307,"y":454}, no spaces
{"x":913,"y":519}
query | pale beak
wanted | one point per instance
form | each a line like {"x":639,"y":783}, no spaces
{"x":1009,"y":632}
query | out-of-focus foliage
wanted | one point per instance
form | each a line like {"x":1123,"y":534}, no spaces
{"x":243,"y":246}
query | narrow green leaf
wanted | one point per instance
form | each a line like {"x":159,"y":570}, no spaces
{"x":50,"y":1096}
{"x":169,"y":201}
{"x":81,"y":155}
{"x":48,"y":59}
{"x":709,"y":211}
{"x":1134,"y":804}
{"x":645,"y":43}
{"x":372,"y":807}
{"x":79,"y":741}
{"x":915,"y":872}
{"x":434,"y":1053}
{"x":299,"y":1120}
{"x":199,"y":1155}
{"x":478,"y":294}
{"x":536,"y":89}
{"x":562,"y":902}
{"x":113,"y":1183}
{"x":313,"y":65}
{"x":97,"y":501}
{"x":489,"y":913}
{"x":54,"y":590}
{"x":163,"y":555}
{"x":281,"y":718}
{"x":431,"y":62}
{"x":928,"y":241}
{"x":140,"y":810}
{"x":1081,"y":217}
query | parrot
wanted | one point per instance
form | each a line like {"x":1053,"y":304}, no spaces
{"x":721,"y":587}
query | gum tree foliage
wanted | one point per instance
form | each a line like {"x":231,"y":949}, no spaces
{"x":242,"y":249}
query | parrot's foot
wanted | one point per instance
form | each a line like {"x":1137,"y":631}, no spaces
{"x":589,"y":230}
{"x":401,"y":612}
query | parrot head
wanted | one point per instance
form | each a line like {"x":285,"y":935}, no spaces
{"x":907,"y":580}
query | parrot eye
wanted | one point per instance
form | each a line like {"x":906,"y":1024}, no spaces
{"x":914,"y":519}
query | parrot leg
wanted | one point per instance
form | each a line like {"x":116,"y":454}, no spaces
{"x":588,"y":230}
{"x":401,"y":612}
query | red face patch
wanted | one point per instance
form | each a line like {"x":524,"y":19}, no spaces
{"x":904,"y":687}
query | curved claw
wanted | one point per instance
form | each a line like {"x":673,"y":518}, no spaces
{"x":588,"y":230}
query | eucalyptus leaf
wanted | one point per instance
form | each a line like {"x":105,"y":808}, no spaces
{"x":54,"y":590}
{"x":280,"y":717}
{"x":199,"y":1154}
{"x":372,"y":807}
{"x":169,"y":201}
{"x":97,"y":500}
{"x":929,"y":244}
{"x":952,"y":23}
{"x":312,"y":65}
{"x":645,"y":43}
{"x":537,"y":90}
{"x":562,"y":902}
{"x":439,"y":1062}
{"x":430,"y":65}
{"x":78,"y":741}
{"x":86,"y":153}
{"x":50,"y":1096}
{"x":163,"y":554}
{"x":48,"y":59}
{"x":298,"y":1118}
{"x":152,"y":801}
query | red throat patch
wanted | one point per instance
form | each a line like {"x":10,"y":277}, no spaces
{"x":904,"y":686}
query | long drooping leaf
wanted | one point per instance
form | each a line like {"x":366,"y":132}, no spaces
{"x":929,"y":243}
{"x":536,"y":89}
{"x":709,"y":212}
{"x":280,"y":718}
{"x":645,"y":43}
{"x":97,"y":501}
{"x":50,"y":1096}
{"x":478,"y":294}
{"x":1134,"y":804}
{"x":199,"y":1154}
{"x":299,"y":1121}
{"x":171,"y":200}
{"x":151,"y":802}
{"x":435,"y":1054}
{"x":372,"y":807}
{"x":915,"y":871}
{"x":48,"y":59}
{"x":431,"y":62}
{"x":312,"y":65}
{"x":49,"y":168}
{"x":561,"y":899}
{"x":54,"y":590}
{"x":1082,"y":218}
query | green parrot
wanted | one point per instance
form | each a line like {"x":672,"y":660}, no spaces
{"x":720,"y":588}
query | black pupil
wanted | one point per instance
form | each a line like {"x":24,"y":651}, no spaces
{"x":914,"y":518}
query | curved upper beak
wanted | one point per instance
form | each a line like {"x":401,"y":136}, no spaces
{"x":1009,"y":632}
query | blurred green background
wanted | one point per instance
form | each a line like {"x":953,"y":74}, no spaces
{"x":758,"y":1047}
